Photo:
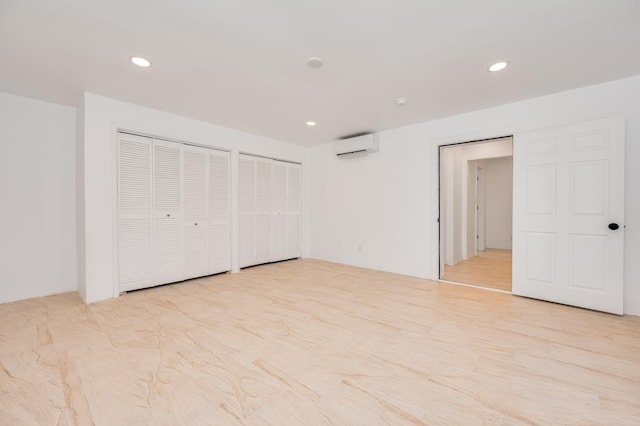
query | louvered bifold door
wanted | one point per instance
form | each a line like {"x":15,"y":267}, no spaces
{"x":219,"y":211}
{"x":167,"y":190}
{"x":195,"y":221}
{"x":135,"y":244}
{"x":263,"y":210}
{"x":279,"y":212}
{"x":294,"y":211}
{"x":247,"y":191}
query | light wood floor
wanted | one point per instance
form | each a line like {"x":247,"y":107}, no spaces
{"x":309,"y":343}
{"x":490,"y":268}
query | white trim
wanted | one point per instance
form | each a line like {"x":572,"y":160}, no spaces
{"x":475,"y":286}
{"x":436,"y":143}
{"x":167,"y":139}
{"x":115,"y":231}
{"x":266,"y":157}
{"x":478,"y":136}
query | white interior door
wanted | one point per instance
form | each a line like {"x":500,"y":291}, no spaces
{"x":195,"y":211}
{"x":480,"y":209}
{"x":269,"y":209}
{"x":263,"y":210}
{"x":167,"y":189}
{"x":568,"y":201}
{"x":219,"y":211}
{"x":246,"y":207}
{"x":294,"y":211}
{"x":135,"y":241}
{"x":279,"y":211}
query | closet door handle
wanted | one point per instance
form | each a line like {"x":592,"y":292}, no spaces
{"x":613,"y":226}
{"x":168,"y":215}
{"x":196,"y":223}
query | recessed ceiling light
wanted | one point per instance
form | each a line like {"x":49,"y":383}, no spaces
{"x":141,"y":62}
{"x":311,"y":123}
{"x":401,"y":101}
{"x":314,"y":62}
{"x":498,"y":66}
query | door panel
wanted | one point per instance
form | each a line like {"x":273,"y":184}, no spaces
{"x":568,"y":187}
{"x":586,"y":257}
{"x":293,"y":236}
{"x":263,"y":238}
{"x":135,"y":244}
{"x":294,"y":211}
{"x":279,"y":211}
{"x":263,"y":210}
{"x":246,"y":196}
{"x":270,"y":209}
{"x":195,"y":212}
{"x":279,"y":243}
{"x":167,"y":189}
{"x":247,"y":240}
{"x":168,"y":250}
{"x":219,"y":248}
{"x":219,"y":211}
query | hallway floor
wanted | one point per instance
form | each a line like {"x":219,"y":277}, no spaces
{"x":490,"y":268}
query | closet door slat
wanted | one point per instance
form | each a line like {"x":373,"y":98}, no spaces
{"x":294,"y":211}
{"x":195,"y":212}
{"x":246,"y":196}
{"x":219,"y":211}
{"x":135,"y":244}
{"x":167,"y":232}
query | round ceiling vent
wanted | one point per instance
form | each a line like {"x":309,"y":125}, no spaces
{"x":314,"y":62}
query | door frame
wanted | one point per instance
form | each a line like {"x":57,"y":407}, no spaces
{"x":480,"y":213}
{"x":436,"y":195}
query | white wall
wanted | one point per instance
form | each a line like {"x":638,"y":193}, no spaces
{"x":499,"y":204}
{"x":102,"y":118}
{"x":37,"y":181}
{"x":472,"y":232}
{"x":388,"y":201}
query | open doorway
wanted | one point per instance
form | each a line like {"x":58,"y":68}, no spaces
{"x":476,"y":207}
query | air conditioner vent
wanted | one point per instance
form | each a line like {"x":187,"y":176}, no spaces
{"x":357,"y":146}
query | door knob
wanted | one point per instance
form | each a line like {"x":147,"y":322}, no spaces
{"x":168,"y":215}
{"x":613,"y":226}
{"x":196,"y":223}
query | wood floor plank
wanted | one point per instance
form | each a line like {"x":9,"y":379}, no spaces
{"x":316,"y":343}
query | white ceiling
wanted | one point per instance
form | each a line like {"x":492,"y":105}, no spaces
{"x":242,"y":63}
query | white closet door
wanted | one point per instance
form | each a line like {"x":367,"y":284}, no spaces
{"x":294,"y":211}
{"x":135,"y":244}
{"x":263,"y":210}
{"x":247,"y":191}
{"x":195,"y":212}
{"x":167,"y":191}
{"x":270,"y":206}
{"x":219,"y":211}
{"x":279,"y":212}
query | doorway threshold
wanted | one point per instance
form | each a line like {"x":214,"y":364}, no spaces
{"x":475,"y":286}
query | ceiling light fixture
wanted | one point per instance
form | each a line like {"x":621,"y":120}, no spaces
{"x":311,"y":123}
{"x":498,"y":66}
{"x":401,"y":101}
{"x":141,"y":62}
{"x":314,"y":62}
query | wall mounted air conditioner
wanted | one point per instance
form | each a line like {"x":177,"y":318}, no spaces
{"x":359,"y":145}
